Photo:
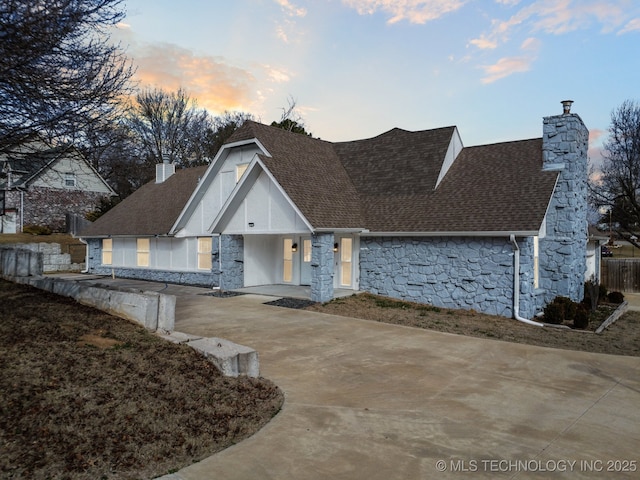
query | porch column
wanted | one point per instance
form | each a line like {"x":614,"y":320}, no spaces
{"x":231,"y":262}
{"x":322,"y":267}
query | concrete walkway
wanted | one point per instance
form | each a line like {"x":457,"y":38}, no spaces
{"x":366,"y":400}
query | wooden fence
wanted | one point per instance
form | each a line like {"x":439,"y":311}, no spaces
{"x":621,"y":274}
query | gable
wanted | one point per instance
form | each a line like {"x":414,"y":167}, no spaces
{"x":258,"y":205}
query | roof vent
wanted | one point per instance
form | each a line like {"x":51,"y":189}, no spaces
{"x":566,"y":106}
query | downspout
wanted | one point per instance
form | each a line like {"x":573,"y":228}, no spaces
{"x":516,"y":285}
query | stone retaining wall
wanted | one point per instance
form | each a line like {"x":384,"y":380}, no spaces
{"x":53,"y":260}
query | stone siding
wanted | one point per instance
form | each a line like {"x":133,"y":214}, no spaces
{"x":322,"y":257}
{"x":50,"y":206}
{"x":449,"y":272}
{"x":564,"y":248}
{"x":231,"y":261}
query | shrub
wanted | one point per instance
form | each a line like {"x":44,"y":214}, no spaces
{"x":554,"y":313}
{"x":615,"y":297}
{"x":592,"y":294}
{"x":561,"y":309}
{"x":36,"y":230}
{"x":581,"y":320}
{"x":602,"y":292}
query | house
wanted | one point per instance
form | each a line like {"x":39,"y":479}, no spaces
{"x":410,"y":215}
{"x":40,"y":185}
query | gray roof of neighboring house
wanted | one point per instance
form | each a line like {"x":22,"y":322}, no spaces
{"x":383,"y":184}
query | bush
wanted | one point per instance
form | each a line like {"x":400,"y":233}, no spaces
{"x":36,"y":230}
{"x":561,"y":309}
{"x":615,"y":297}
{"x":581,"y":320}
{"x":554,"y":313}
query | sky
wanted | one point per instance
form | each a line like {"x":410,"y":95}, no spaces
{"x":358,"y":68}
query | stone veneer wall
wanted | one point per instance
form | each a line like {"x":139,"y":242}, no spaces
{"x":49,"y":206}
{"x":231,"y":261}
{"x":564,"y":248}
{"x":205,"y":279}
{"x":449,"y":272}
{"x":322,"y":257}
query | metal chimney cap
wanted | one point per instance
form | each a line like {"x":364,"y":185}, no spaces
{"x":566,"y":106}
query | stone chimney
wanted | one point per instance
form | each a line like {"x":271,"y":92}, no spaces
{"x":563,"y":249}
{"x":165,"y":169}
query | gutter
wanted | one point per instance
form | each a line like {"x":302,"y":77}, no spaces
{"x":516,"y":285}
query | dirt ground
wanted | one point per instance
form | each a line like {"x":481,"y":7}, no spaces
{"x":84,"y":395}
{"x":622,"y":338}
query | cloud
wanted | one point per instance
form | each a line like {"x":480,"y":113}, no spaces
{"x":216,"y":85}
{"x":288,"y":26}
{"x":509,"y":65}
{"x":413,"y":11}
{"x":290,"y":9}
{"x":558,"y":17}
{"x":631,"y":26}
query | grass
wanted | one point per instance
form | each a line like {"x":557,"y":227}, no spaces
{"x":84,"y":395}
{"x":622,"y":338}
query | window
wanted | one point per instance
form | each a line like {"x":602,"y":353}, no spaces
{"x":69,"y":179}
{"x":204,"y":253}
{"x":536,"y":263}
{"x":240,"y":169}
{"x":287,"y":267}
{"x":107,"y":251}
{"x":306,"y":250}
{"x":346,"y":252}
{"x":142,"y":252}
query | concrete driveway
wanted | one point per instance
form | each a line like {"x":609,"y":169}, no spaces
{"x":366,"y":400}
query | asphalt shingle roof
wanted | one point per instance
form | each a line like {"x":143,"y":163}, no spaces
{"x":383,"y":184}
{"x":150,"y":210}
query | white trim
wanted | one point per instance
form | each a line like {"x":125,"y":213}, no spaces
{"x":208,"y":177}
{"x":241,"y":190}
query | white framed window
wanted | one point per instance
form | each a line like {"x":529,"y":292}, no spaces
{"x":204,"y":253}
{"x":287,"y":265}
{"x":346,"y":259}
{"x":142,"y":252}
{"x":240,"y":169}
{"x":536,"y":262}
{"x":107,"y":251}
{"x":70,"y":180}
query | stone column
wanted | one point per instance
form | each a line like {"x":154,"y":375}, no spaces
{"x":563,"y":250}
{"x":322,"y":256}
{"x":231,"y":262}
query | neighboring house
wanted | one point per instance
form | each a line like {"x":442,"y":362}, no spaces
{"x":40,"y":185}
{"x":594,"y":259}
{"x":411,"y":215}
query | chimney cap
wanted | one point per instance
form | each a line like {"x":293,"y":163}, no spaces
{"x":566,"y":106}
{"x":166,"y":158}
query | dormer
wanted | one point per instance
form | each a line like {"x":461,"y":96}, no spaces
{"x":455,"y":147}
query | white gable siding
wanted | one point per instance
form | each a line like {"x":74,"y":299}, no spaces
{"x":455,"y":147}
{"x":217,"y":192}
{"x":86,"y":178}
{"x":267,"y":210}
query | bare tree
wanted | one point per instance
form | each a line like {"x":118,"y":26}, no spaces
{"x":223,"y":127}
{"x":291,"y":120}
{"x":59,"y":72}
{"x":616,"y":188}
{"x":170,"y":125}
